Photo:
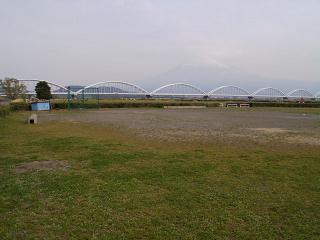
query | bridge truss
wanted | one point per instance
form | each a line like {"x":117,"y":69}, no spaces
{"x":174,"y":90}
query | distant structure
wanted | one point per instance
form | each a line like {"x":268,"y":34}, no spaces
{"x":1,"y":92}
{"x":75,"y":88}
{"x":269,"y":92}
{"x":119,"y":89}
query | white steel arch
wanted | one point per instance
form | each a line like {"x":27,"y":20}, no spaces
{"x":113,"y":87}
{"x":229,"y":91}
{"x":30,"y":83}
{"x":178,"y":89}
{"x":269,"y":92}
{"x":300,"y":93}
{"x":170,"y":90}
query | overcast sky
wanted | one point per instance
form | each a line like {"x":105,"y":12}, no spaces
{"x":82,"y":42}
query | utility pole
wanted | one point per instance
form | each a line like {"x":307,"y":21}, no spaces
{"x":98,"y":97}
{"x":69,"y":96}
{"x":82,"y":96}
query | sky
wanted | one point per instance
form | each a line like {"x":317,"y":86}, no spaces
{"x":275,"y":42}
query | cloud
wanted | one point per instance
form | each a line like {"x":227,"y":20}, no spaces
{"x":136,"y":39}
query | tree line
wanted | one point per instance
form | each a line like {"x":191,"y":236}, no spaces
{"x":14,"y":89}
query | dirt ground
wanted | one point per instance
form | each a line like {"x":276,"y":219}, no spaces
{"x":42,"y":166}
{"x":202,"y":124}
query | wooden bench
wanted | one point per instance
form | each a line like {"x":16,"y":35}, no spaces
{"x":245,"y":105}
{"x":232,"y":105}
{"x":239,"y":104}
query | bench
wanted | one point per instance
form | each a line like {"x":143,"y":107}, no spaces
{"x":241,"y":105}
{"x":232,"y":105}
{"x":245,"y":105}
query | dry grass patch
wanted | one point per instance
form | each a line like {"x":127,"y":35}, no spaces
{"x":37,"y":166}
{"x":271,"y":130}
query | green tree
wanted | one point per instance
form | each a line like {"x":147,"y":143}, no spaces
{"x":13,"y":88}
{"x":43,"y":90}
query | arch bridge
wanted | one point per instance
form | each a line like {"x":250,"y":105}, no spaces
{"x":178,"y":90}
{"x":56,"y":89}
{"x":174,"y":90}
{"x":229,"y":92}
{"x":113,"y":88}
{"x":301,"y":93}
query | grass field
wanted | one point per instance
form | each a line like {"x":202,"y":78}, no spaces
{"x":114,"y":186}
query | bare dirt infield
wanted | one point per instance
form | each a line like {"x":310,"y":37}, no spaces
{"x":202,"y":124}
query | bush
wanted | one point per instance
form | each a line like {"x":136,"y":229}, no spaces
{"x":20,"y":106}
{"x":286,"y":104}
{"x":58,"y":105}
{"x":152,"y":103}
{"x":4,"y":110}
{"x":131,"y":104}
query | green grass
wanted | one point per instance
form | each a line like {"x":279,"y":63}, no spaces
{"x":130,"y":103}
{"x":4,"y":110}
{"x":123,"y":188}
{"x":158,"y":103}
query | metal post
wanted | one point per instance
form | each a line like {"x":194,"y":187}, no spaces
{"x":69,"y":96}
{"x":98,"y":97}
{"x":83,"y":96}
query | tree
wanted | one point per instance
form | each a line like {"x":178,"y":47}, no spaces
{"x":12,"y":88}
{"x":43,"y":90}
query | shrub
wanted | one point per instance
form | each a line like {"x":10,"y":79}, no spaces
{"x":131,"y":104}
{"x":20,"y":106}
{"x":286,"y":104}
{"x":4,"y":110}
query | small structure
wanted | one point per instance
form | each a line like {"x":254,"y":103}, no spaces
{"x":238,"y":104}
{"x":33,"y":119}
{"x":245,"y":105}
{"x":40,"y":106}
{"x":232,"y":105}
